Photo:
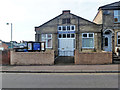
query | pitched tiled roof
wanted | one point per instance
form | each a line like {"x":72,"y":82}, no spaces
{"x":115,"y":5}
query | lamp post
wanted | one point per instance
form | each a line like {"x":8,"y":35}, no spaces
{"x":11,"y":32}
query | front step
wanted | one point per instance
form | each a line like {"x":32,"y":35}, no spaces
{"x":116,"y":59}
{"x":64,"y":60}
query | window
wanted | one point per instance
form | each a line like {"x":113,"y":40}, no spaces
{"x":118,"y":38}
{"x":48,"y":40}
{"x":66,"y":28}
{"x":88,"y":40}
{"x":66,"y":35}
{"x":66,"y":21}
{"x":116,"y":15}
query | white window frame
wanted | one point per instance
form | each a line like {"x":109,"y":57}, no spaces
{"x":118,"y":38}
{"x":118,"y":16}
{"x":71,"y":27}
{"x":66,"y":28}
{"x":86,"y":38}
{"x":66,"y":36}
{"x":46,"y":39}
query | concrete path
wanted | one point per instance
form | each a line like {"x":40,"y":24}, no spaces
{"x":111,"y":68}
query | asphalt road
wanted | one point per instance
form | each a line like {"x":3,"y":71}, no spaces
{"x":60,"y":80}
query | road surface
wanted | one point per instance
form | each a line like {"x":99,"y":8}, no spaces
{"x":60,"y":80}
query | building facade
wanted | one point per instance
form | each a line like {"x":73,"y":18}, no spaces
{"x":109,"y":17}
{"x":68,"y":32}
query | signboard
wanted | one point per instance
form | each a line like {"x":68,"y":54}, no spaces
{"x":42,"y":46}
{"x":36,"y":46}
{"x":29,"y":46}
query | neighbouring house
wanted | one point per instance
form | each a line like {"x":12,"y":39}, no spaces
{"x":3,"y":46}
{"x":109,"y":17}
{"x":4,"y":53}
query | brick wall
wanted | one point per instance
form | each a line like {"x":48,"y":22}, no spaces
{"x":93,"y":57}
{"x":32,"y":58}
{"x":5,"y":57}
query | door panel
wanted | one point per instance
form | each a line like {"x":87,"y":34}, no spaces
{"x":66,"y":47}
{"x":108,"y":43}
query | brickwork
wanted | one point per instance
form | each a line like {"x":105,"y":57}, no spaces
{"x":93,"y":57}
{"x":5,"y":57}
{"x":32,"y":58}
{"x":81,"y":26}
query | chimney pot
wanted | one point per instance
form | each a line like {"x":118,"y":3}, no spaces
{"x":66,"y":11}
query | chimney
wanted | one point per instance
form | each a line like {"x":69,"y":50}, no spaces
{"x":66,"y":11}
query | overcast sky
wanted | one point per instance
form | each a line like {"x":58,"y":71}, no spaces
{"x":26,"y":14}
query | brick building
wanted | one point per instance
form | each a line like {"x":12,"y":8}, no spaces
{"x":109,"y":17}
{"x":67,"y":33}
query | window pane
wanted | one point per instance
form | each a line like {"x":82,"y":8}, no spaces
{"x":118,"y":36}
{"x":64,"y":28}
{"x":118,"y":18}
{"x":87,"y":42}
{"x":106,"y":41}
{"x":115,"y":19}
{"x":72,"y":28}
{"x":68,"y":20}
{"x":84,"y":35}
{"x":43,"y":37}
{"x":59,"y":28}
{"x":72,"y":35}
{"x":68,"y":35}
{"x":64,"y":35}
{"x":49,"y":43}
{"x":49,"y":36}
{"x":63,"y":21}
{"x":68,"y":28}
{"x":60,"y":35}
{"x":90,"y":35}
{"x":118,"y":41}
{"x":115,"y":12}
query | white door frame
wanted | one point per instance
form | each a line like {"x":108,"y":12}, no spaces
{"x":108,"y":33}
{"x":68,"y":46}
{"x":108,"y":47}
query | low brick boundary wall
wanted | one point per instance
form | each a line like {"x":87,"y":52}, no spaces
{"x":32,"y":58}
{"x":5,"y":57}
{"x":93,"y":57}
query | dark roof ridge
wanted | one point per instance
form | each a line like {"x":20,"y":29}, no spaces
{"x":107,"y":5}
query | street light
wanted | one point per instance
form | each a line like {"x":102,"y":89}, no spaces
{"x":11,"y":33}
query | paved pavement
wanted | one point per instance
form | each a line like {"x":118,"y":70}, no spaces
{"x":63,"y":69}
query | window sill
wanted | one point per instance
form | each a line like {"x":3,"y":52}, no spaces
{"x":116,"y":22}
{"x":88,"y":48}
{"x":48,"y":47}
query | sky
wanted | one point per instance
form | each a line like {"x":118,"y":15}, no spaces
{"x":25,"y":15}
